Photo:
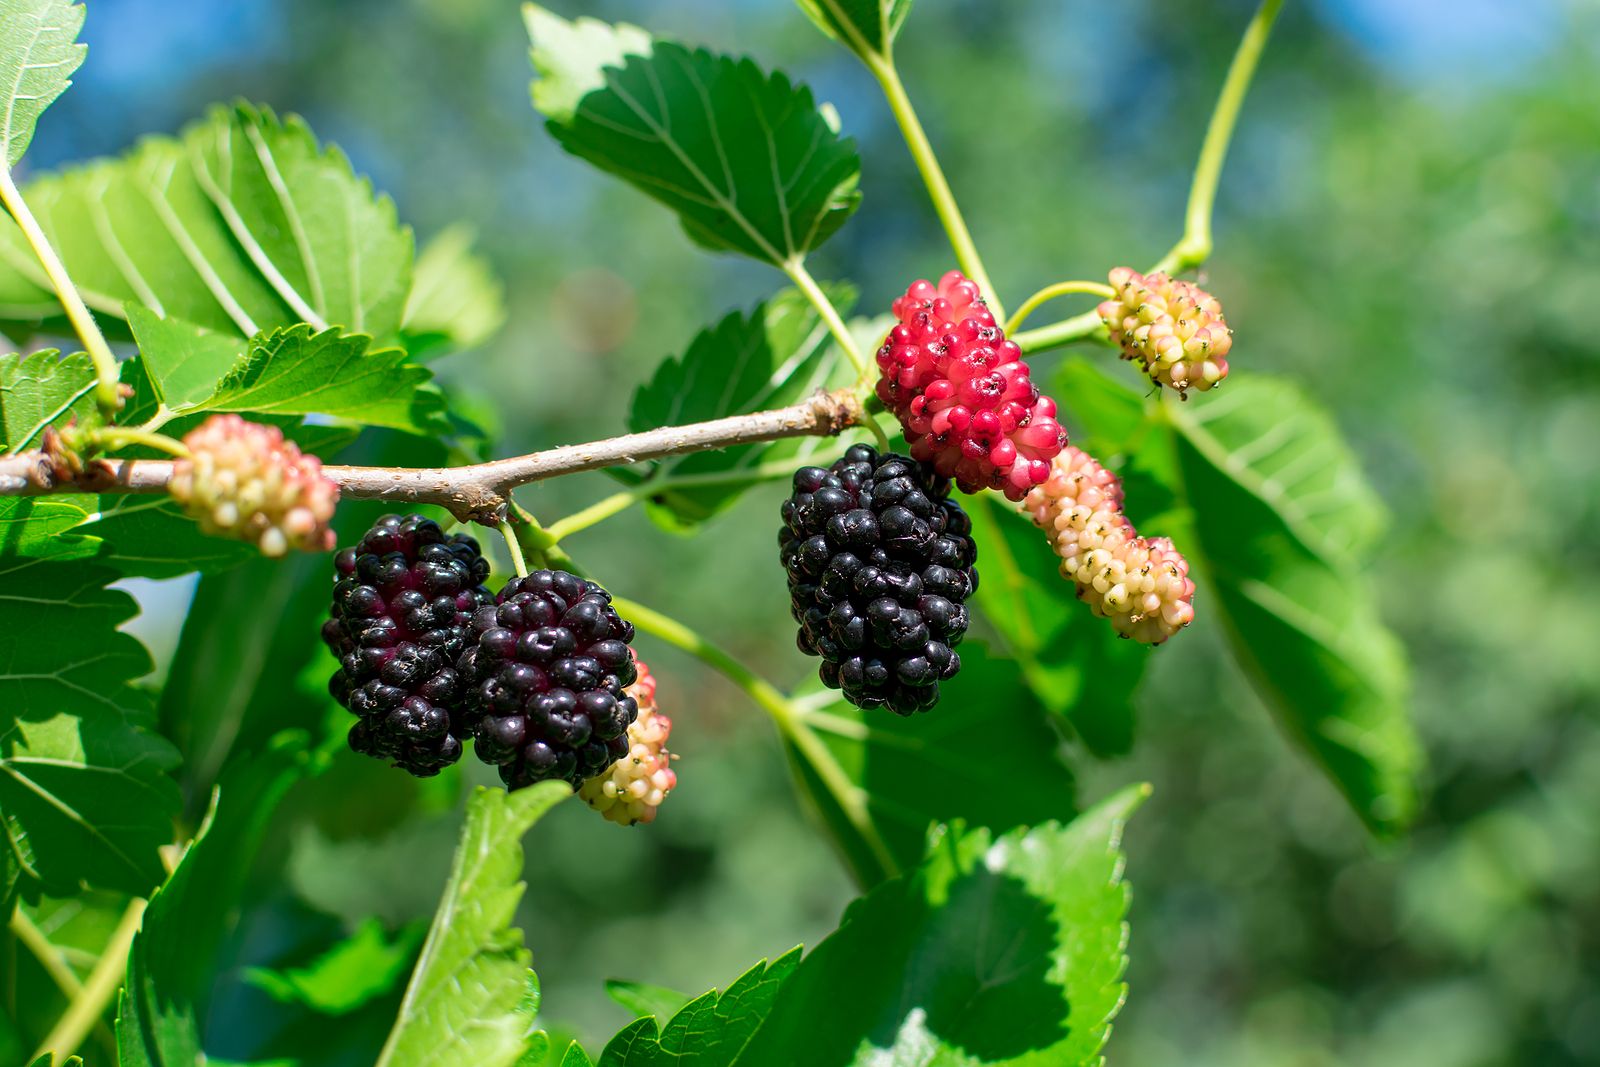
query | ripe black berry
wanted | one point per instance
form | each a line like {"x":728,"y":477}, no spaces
{"x":880,"y":564}
{"x":402,"y":602}
{"x":547,"y":665}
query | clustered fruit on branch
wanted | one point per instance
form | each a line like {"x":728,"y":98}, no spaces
{"x":1173,"y":329}
{"x":963,"y":393}
{"x":1141,"y":584}
{"x":245,"y":481}
{"x":880,"y":564}
{"x":633,"y":789}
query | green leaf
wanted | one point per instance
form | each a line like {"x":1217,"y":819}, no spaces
{"x":151,"y":537}
{"x":38,"y":53}
{"x":576,"y":1057}
{"x":242,"y":224}
{"x":183,"y":362}
{"x":38,"y":526}
{"x":989,"y":757}
{"x":643,"y":999}
{"x":1074,"y":663}
{"x":1282,"y":519}
{"x":709,"y":1031}
{"x":462,"y":1006}
{"x":352,"y":973}
{"x":84,"y":794}
{"x":777,"y":354}
{"x":996,"y":950}
{"x":293,"y":371}
{"x":176,"y":959}
{"x":746,"y":159}
{"x":43,"y":390}
{"x":866,"y":27}
{"x":456,"y":301}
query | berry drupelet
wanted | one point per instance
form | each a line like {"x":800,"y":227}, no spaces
{"x":963,"y":393}
{"x":402,"y":603}
{"x":548,"y":664}
{"x":880,"y":564}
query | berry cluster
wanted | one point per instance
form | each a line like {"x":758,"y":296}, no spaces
{"x":1173,"y":329}
{"x":634,"y":787}
{"x":548,"y":664}
{"x":880,"y":564}
{"x":243,"y":480}
{"x":963,"y":393}
{"x":1140,"y":583}
{"x":402,"y":604}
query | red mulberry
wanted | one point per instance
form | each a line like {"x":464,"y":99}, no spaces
{"x":1140,"y":583}
{"x":1173,"y":329}
{"x":243,"y":480}
{"x":963,"y":393}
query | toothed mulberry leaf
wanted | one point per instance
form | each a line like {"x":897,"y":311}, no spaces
{"x":747,"y":159}
{"x":38,"y":55}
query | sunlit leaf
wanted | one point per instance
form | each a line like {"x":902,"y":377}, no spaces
{"x":242,"y":224}
{"x":998,"y":949}
{"x":38,"y":54}
{"x":746,"y":159}
{"x":463,"y":1005}
{"x":43,"y":390}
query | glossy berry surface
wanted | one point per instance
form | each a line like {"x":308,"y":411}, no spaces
{"x":880,"y":564}
{"x":963,"y":394}
{"x":548,"y":665}
{"x":403,"y":600}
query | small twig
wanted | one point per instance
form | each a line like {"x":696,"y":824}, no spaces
{"x":478,"y":492}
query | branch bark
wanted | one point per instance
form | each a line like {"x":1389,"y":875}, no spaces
{"x":478,"y":492}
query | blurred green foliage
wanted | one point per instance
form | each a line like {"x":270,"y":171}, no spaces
{"x":1416,"y":248}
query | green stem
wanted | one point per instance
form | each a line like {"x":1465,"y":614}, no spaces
{"x":514,"y":546}
{"x":90,"y":1004}
{"x":601,"y":510}
{"x":88,"y":331}
{"x":796,"y":269}
{"x":113,"y":437}
{"x":33,"y":939}
{"x":944,"y":201}
{"x":1049,"y":293}
{"x":789,"y":719}
{"x":536,"y":541}
{"x":1194,"y":246}
{"x":877,"y":432}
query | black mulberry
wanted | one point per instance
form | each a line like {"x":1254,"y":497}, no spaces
{"x":880,"y":565}
{"x":548,"y":663}
{"x":402,"y":603}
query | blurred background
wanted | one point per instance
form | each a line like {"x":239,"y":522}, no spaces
{"x":1409,"y":225}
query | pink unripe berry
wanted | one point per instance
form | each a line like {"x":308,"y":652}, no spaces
{"x":1173,"y":329}
{"x":245,"y":481}
{"x":633,"y":789}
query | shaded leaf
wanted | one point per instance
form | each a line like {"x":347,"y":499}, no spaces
{"x":364,"y":966}
{"x":1073,"y":662}
{"x":1002,"y":949}
{"x":776,"y":355}
{"x":38,"y":54}
{"x":709,"y":1031}
{"x":175,"y":961}
{"x":183,"y":362}
{"x":242,"y":224}
{"x":1281,"y":519}
{"x":988,"y":756}
{"x":463,"y":1005}
{"x":84,"y":794}
{"x":294,"y":371}
{"x":746,"y":159}
{"x":866,"y":27}
{"x":456,"y":301}
{"x":43,"y":390}
{"x":37,"y":526}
